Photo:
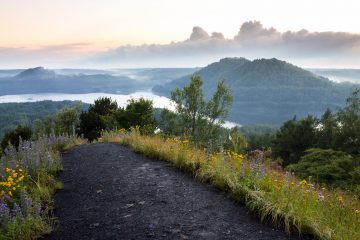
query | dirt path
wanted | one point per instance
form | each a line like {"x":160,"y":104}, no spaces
{"x":112,"y":193}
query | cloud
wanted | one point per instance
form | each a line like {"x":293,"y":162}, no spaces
{"x":49,"y":56}
{"x":253,"y":41}
{"x":198,"y":34}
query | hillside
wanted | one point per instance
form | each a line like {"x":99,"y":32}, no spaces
{"x":268,"y":91}
{"x":14,"y":114}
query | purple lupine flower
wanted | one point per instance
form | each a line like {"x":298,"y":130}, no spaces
{"x":16,"y":211}
{"x":25,"y":202}
{"x":4,"y":212}
{"x":263,"y":170}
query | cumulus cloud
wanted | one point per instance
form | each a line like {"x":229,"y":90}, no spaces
{"x":198,"y":34}
{"x":253,"y":41}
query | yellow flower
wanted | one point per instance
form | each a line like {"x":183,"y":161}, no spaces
{"x":303,"y":183}
{"x":10,"y":193}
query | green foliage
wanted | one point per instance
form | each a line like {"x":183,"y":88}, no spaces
{"x":104,"y":115}
{"x":24,"y":114}
{"x":238,"y":140}
{"x":66,"y":120}
{"x":99,"y":117}
{"x":328,"y":132}
{"x":349,"y":129}
{"x":325,"y":166}
{"x":259,"y":136}
{"x":340,"y":132}
{"x":194,"y":116}
{"x":169,"y":123}
{"x":190,"y":104}
{"x":137,"y":113}
{"x":293,"y":138}
{"x":13,"y":137}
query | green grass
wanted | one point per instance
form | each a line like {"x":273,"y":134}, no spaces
{"x":276,"y":197}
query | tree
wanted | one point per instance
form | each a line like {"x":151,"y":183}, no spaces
{"x":217,"y":109}
{"x":99,"y":117}
{"x":67,"y":119}
{"x":138,"y":112}
{"x":190,"y":104}
{"x":327,"y":130}
{"x":293,"y":138}
{"x":195,"y":117}
{"x":349,"y":119}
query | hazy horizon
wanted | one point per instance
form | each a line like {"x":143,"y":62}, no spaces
{"x":159,"y":33}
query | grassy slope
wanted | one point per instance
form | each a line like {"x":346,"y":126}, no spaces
{"x":276,"y":196}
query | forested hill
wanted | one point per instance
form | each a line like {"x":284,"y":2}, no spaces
{"x":268,"y":91}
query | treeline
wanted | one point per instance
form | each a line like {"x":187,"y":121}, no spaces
{"x":325,"y":149}
{"x":24,"y":114}
{"x":103,"y":115}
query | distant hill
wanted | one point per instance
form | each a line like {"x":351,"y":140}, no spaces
{"x":40,"y":80}
{"x":14,"y":114}
{"x":268,"y":91}
{"x":124,"y":81}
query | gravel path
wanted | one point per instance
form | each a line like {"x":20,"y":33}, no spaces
{"x":111,"y":192}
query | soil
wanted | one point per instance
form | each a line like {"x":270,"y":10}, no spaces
{"x":111,"y":192}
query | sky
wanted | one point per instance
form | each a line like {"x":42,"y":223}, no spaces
{"x":177,"y":33}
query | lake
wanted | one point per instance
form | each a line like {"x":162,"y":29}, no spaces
{"x":121,"y":99}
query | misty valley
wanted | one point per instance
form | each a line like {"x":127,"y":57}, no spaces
{"x":266,"y":91}
{"x":265,"y":131}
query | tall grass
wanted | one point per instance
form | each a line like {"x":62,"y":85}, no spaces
{"x":278,"y":197}
{"x":27,"y":185}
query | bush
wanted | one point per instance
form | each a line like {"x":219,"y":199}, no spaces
{"x":99,"y":117}
{"x":13,"y":136}
{"x":325,"y":166}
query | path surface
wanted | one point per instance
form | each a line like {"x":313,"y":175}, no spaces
{"x":112,"y":193}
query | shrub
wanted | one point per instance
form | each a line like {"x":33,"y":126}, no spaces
{"x":325,"y":166}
